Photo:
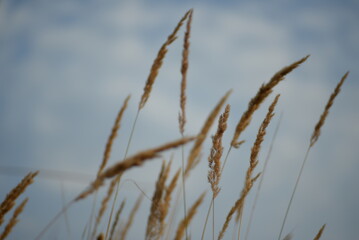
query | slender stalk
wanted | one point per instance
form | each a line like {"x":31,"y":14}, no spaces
{"x":205,"y":222}
{"x":52,"y":221}
{"x":293,"y":193}
{"x":262,"y":177}
{"x":213,"y":219}
{"x":89,"y":229}
{"x":184,"y":193}
{"x":118,"y":185}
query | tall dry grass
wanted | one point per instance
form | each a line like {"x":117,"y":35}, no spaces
{"x":166,"y":185}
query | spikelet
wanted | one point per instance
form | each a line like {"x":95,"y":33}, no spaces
{"x":185,"y":222}
{"x":319,"y":234}
{"x":113,"y":135}
{"x":197,"y":147}
{"x":136,"y":160}
{"x":214,"y":160}
{"x":14,"y":220}
{"x":257,"y":100}
{"x":11,"y":197}
{"x":131,"y":218}
{"x":184,"y":68}
{"x":158,"y":63}
{"x":324,"y":115}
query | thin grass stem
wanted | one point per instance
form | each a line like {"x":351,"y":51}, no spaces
{"x":293,"y":193}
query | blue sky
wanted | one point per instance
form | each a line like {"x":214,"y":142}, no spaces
{"x":66,"y":67}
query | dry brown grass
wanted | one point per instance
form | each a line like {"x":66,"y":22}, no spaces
{"x":162,"y":196}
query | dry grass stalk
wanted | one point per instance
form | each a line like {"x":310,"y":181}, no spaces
{"x":105,"y":201}
{"x":113,"y":135}
{"x":131,"y":217}
{"x":255,"y":151}
{"x":184,"y":68}
{"x":158,"y":62}
{"x":11,"y":197}
{"x":214,"y":160}
{"x":313,"y":140}
{"x":153,"y":224}
{"x":136,"y":160}
{"x":185,"y":222}
{"x":249,"y":181}
{"x":116,"y":220}
{"x":197,"y":147}
{"x":237,"y":205}
{"x":257,"y":100}
{"x":14,"y":220}
{"x":324,"y":115}
{"x":319,"y":234}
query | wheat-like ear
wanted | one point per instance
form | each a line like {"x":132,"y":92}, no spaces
{"x":319,"y":234}
{"x":14,"y":220}
{"x":158,"y":62}
{"x":316,"y":132}
{"x":214,"y":159}
{"x":11,"y":197}
{"x":257,"y":100}
{"x":184,"y":68}
{"x":186,"y":221}
{"x":197,"y":147}
{"x":113,"y":135}
{"x":130,"y":162}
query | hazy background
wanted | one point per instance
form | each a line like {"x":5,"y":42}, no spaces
{"x":67,"y":66}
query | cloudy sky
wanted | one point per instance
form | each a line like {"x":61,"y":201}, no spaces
{"x":67,"y":66}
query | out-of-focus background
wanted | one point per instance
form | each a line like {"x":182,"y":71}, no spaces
{"x":66,"y":67}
